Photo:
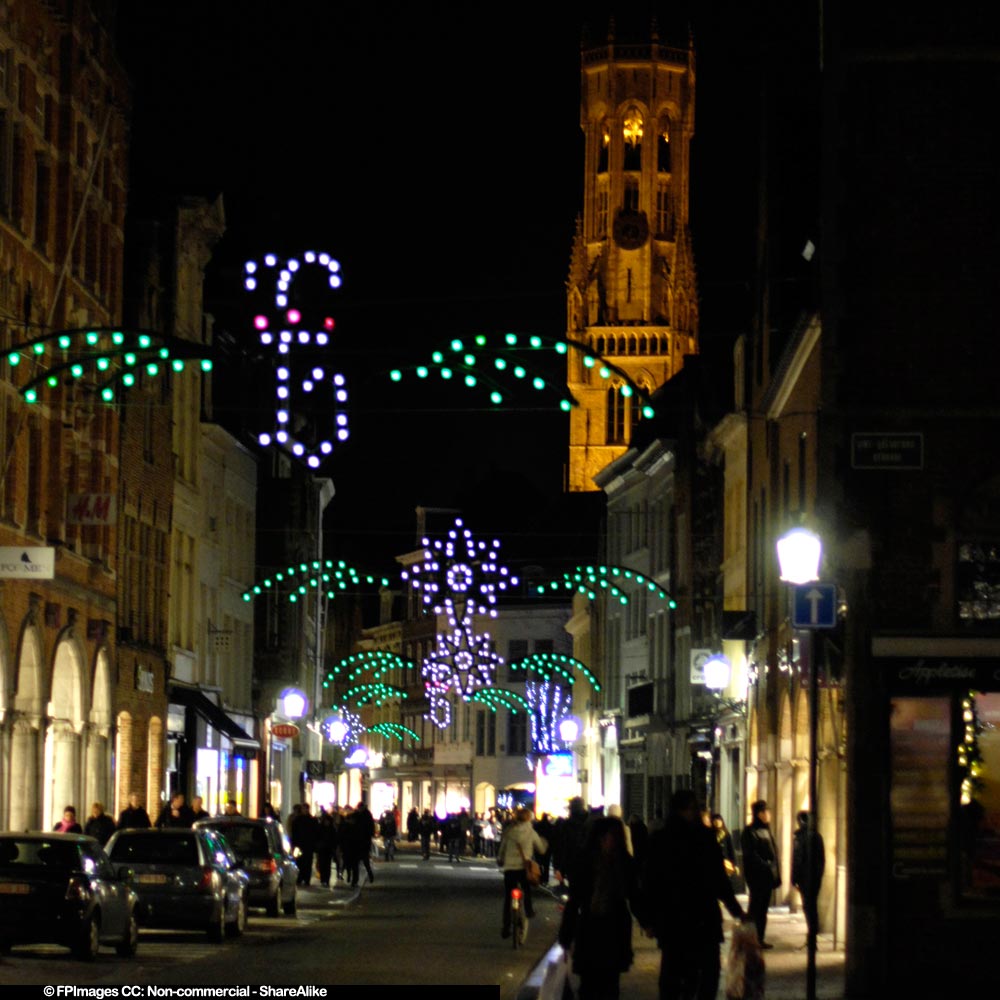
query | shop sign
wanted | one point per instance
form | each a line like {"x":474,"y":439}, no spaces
{"x":91,"y":508}
{"x":36,"y":563}
{"x":144,"y":679}
{"x":285,"y":730}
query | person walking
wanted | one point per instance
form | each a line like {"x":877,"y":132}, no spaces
{"x":363,"y":833}
{"x":303,"y":833}
{"x":683,"y":881}
{"x":760,"y":866}
{"x":412,"y":825}
{"x":175,"y":814}
{"x":100,"y":826}
{"x":570,"y":835}
{"x":133,"y":816}
{"x":198,"y":809}
{"x":597,"y":919}
{"x":387,"y":831}
{"x":426,"y":829}
{"x":68,"y":823}
{"x":808,"y":865}
{"x":326,"y":844}
{"x":520,"y":842}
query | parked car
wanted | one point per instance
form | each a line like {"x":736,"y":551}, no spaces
{"x":61,"y":888}
{"x":264,"y":853}
{"x":185,"y":878}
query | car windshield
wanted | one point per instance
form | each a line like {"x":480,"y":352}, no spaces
{"x":150,"y":849}
{"x":38,"y":853}
{"x":244,"y":840}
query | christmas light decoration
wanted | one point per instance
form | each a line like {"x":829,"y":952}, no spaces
{"x":558,"y":665}
{"x":393,"y":730}
{"x":111,"y":356}
{"x":512,"y":356}
{"x":322,"y":575}
{"x":299,"y":369}
{"x":590,"y":579}
{"x":550,"y":703}
{"x":459,"y":578}
{"x":970,"y":756}
{"x":343,"y":727}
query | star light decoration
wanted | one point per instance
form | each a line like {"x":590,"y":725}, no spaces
{"x":291,"y":336}
{"x":459,"y":577}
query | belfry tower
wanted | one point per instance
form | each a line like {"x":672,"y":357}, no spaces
{"x":631,"y":294}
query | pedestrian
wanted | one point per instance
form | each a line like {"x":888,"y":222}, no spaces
{"x":640,"y":838}
{"x":725,"y":841}
{"x":326,"y":845}
{"x":683,"y":881}
{"x":760,"y":866}
{"x":133,"y":816}
{"x":198,"y":809}
{"x":427,"y":826}
{"x":412,"y":825}
{"x":175,"y":813}
{"x":230,"y":809}
{"x":100,"y":826}
{"x":490,"y":836}
{"x":453,"y":837}
{"x":570,"y":835}
{"x":597,"y":919}
{"x":520,"y":842}
{"x":68,"y":823}
{"x":808,"y":865}
{"x":544,"y":828}
{"x":303,"y":833}
{"x":269,"y":812}
{"x":387,"y":830}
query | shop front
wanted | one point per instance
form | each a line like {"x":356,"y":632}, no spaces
{"x":942,"y":844}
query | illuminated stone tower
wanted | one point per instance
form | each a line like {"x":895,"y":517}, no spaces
{"x":631,"y":294}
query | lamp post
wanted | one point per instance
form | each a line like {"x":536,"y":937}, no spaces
{"x":799,"y":554}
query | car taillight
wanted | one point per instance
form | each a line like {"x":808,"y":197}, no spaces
{"x":268,"y":865}
{"x":516,"y":894}
{"x":78,"y":889}
{"x":209,"y":879}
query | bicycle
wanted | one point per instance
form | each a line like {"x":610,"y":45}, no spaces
{"x":518,"y":918}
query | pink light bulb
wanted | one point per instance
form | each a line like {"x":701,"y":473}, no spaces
{"x":260,"y":322}
{"x":294,"y":315}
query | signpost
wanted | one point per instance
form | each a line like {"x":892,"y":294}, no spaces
{"x":814,"y":605}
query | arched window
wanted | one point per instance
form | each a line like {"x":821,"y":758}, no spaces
{"x":632,"y":137}
{"x":663,"y":147}
{"x":602,"y":149}
{"x":622,"y":345}
{"x":632,"y":345}
{"x":599,"y":346}
{"x":615,"y":426}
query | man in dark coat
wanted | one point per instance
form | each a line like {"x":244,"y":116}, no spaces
{"x":175,"y":813}
{"x":683,"y":882}
{"x":760,"y":866}
{"x":100,"y":826}
{"x":428,"y":824}
{"x":303,"y":833}
{"x":807,"y":873}
{"x":570,"y":834}
{"x":134,"y":817}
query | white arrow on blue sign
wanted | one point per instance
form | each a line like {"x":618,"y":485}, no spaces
{"x":814,"y":605}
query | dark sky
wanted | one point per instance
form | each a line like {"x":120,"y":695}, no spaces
{"x":436,"y":152}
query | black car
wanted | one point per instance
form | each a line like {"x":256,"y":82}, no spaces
{"x":61,"y":888}
{"x":185,"y":878}
{"x":263,"y":852}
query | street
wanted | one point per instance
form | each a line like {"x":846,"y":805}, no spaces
{"x":419,"y":923}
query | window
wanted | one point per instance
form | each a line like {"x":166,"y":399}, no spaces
{"x":615,"y":417}
{"x":481,"y":733}
{"x":632,"y":136}
{"x":544,"y":646}
{"x":631,"y":195}
{"x":602,"y":150}
{"x":43,"y":177}
{"x":517,"y":734}
{"x":602,"y":212}
{"x":664,"y":221}
{"x":663,"y":148}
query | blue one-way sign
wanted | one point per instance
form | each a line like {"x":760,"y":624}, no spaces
{"x":814,"y":605}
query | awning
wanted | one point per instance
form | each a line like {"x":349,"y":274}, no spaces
{"x":216,"y":717}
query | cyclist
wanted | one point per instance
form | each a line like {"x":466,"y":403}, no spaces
{"x":519,"y":843}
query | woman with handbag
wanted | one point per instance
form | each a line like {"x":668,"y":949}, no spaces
{"x":517,"y":850}
{"x":597,"y":920}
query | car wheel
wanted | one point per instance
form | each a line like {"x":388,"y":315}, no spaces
{"x":130,"y":940}
{"x":272,"y":907}
{"x":89,"y":940}
{"x":217,"y":928}
{"x":289,"y":907}
{"x":239,"y":925}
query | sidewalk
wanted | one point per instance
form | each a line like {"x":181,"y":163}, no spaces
{"x":786,"y":964}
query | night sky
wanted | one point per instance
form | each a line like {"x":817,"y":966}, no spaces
{"x":436,"y":152}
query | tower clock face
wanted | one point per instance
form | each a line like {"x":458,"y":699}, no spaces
{"x":631,"y":230}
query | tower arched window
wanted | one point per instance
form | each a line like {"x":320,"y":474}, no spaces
{"x":632,"y":127}
{"x":663,"y":147}
{"x":602,"y":149}
{"x":599,"y":346}
{"x":616,"y":415}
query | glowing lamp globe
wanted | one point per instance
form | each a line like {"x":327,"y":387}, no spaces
{"x":293,"y":703}
{"x":717,"y":670}
{"x":569,"y":729}
{"x":799,"y":554}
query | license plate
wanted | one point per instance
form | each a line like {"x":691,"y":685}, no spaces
{"x":152,"y":879}
{"x":14,"y":889}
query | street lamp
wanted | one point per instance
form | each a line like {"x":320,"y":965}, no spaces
{"x":717,"y":669}
{"x":799,"y":554}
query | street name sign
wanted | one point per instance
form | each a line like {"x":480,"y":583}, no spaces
{"x":37,"y":563}
{"x":895,"y":451}
{"x":814,"y":605}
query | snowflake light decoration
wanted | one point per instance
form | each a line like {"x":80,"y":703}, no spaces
{"x":344,"y":727}
{"x":459,"y":578}
{"x":284,"y":328}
